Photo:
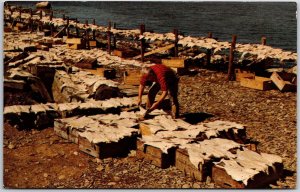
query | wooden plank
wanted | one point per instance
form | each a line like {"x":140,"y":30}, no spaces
{"x":144,"y":129}
{"x":132,"y":77}
{"x":182,"y":162}
{"x":154,"y":155}
{"x":174,"y":62}
{"x":75,"y":46}
{"x":93,"y":43}
{"x":180,"y":71}
{"x":260,"y":83}
{"x":248,"y":169}
{"x":242,"y":73}
{"x":283,"y":83}
{"x":155,"y":51}
{"x":74,"y":41}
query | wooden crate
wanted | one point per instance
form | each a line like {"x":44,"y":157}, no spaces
{"x":77,"y":41}
{"x":261,"y":177}
{"x":155,"y":155}
{"x":180,"y":71}
{"x":174,"y":62}
{"x":284,"y":81}
{"x":239,"y":74}
{"x":93,"y":43}
{"x":132,"y":77}
{"x":104,"y":150}
{"x":260,"y":83}
{"x":76,"y":46}
{"x":97,"y":71}
{"x":183,"y":163}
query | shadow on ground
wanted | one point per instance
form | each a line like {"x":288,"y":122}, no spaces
{"x":194,"y":118}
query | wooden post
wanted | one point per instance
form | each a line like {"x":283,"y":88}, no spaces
{"x":94,"y":35}
{"x":86,"y":22}
{"x":263,"y":40}
{"x":68,"y":30}
{"x":30,"y":13}
{"x":108,"y":41}
{"x":20,"y":12}
{"x":94,"y":22}
{"x":209,"y":35}
{"x":142,"y":30}
{"x":41,"y":14}
{"x":87,"y":38}
{"x":230,"y":75}
{"x":208,"y":57}
{"x":64,"y":17}
{"x":51,"y":15}
{"x":115,"y":25}
{"x":77,"y":31}
{"x":30,"y":21}
{"x":176,"y":43}
{"x":109,"y":25}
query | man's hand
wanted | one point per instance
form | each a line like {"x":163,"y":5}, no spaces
{"x":139,"y":102}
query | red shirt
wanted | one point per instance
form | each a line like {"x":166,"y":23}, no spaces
{"x":163,"y":75}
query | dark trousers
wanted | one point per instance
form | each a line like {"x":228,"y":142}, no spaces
{"x":173,"y":95}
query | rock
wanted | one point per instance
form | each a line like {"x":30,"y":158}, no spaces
{"x":186,"y":186}
{"x":132,"y":153}
{"x":75,"y":153}
{"x":100,"y":168}
{"x":111,"y":183}
{"x":196,"y":185}
{"x":97,"y":160}
{"x":153,"y":166}
{"x":11,"y":146}
{"x":117,"y":179}
{"x":208,"y":180}
{"x":45,"y":175}
{"x":125,"y":171}
{"x":61,"y":177}
{"x":107,"y":168}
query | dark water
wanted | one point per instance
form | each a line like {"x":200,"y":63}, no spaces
{"x":248,"y":20}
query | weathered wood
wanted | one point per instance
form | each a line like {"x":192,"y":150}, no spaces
{"x":263,"y":40}
{"x":239,"y":74}
{"x":142,"y":30}
{"x":260,"y":83}
{"x":247,"y":170}
{"x":68,"y":29}
{"x":108,"y":42}
{"x":174,"y":62}
{"x":155,"y":155}
{"x":230,"y":73}
{"x":155,"y":51}
{"x":284,"y":81}
{"x":132,"y":77}
{"x":176,"y":43}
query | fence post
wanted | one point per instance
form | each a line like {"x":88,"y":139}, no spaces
{"x":41,"y":14}
{"x":51,"y":15}
{"x":142,"y":30}
{"x":263,"y":40}
{"x":94,"y":31}
{"x":230,"y":75}
{"x":176,"y":43}
{"x":109,"y":38}
{"x":64,"y":17}
{"x":87,"y":38}
{"x":209,"y":35}
{"x":68,"y":30}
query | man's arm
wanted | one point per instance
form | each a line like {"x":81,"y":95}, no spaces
{"x":158,"y":102}
{"x":141,"y":91}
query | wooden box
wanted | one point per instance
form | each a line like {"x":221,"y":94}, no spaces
{"x":183,"y":163}
{"x":260,"y":83}
{"x":155,"y":155}
{"x":284,"y":81}
{"x":132,"y":77}
{"x":258,"y":179}
{"x":76,"y":46}
{"x":104,"y":150}
{"x":74,"y":41}
{"x":174,"y":62}
{"x":239,"y":74}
